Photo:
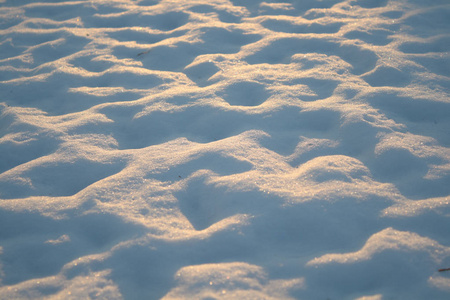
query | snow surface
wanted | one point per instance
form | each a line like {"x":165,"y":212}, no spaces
{"x":224,"y":149}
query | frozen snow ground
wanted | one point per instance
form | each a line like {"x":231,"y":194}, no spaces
{"x":224,"y":149}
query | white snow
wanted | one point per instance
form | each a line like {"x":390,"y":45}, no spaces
{"x":224,"y":149}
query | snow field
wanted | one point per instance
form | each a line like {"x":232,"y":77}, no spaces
{"x":224,"y":149}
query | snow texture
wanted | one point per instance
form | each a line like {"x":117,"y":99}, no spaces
{"x":224,"y":149}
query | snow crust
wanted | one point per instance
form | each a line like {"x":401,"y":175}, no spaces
{"x":224,"y":149}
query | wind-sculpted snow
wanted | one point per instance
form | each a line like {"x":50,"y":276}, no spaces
{"x":388,"y":239}
{"x":224,"y":149}
{"x":229,"y":280}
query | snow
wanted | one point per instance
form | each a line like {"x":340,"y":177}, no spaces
{"x":224,"y":149}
